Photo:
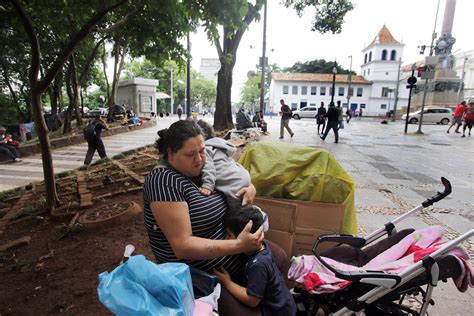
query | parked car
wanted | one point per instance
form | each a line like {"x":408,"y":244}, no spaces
{"x":306,"y":112}
{"x":431,"y":115}
{"x":97,"y":111}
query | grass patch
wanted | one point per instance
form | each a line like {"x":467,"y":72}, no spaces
{"x":5,"y":195}
{"x":100,"y":161}
{"x":63,"y":174}
{"x":31,"y":209}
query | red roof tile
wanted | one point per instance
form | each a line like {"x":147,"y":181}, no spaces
{"x":291,"y":76}
{"x":384,"y":37}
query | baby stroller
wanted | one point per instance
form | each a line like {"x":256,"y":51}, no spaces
{"x":369,"y":292}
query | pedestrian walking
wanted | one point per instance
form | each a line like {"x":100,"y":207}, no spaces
{"x":348,"y":115}
{"x":457,"y":117}
{"x":333,"y":122}
{"x":321,"y":118}
{"x":360,"y":114}
{"x":179,"y":111}
{"x":468,"y":118}
{"x":285,"y":119}
{"x":340,"y":118}
{"x":92,"y":134}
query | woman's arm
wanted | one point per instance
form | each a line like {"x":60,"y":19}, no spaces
{"x":173,"y":219}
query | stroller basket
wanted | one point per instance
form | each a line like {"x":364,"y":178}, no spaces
{"x":372,"y":291}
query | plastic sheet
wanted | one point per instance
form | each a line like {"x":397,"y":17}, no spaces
{"x":141,"y":287}
{"x":296,"y":172}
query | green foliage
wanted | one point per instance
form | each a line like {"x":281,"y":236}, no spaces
{"x":319,"y":66}
{"x":5,"y":195}
{"x":250,"y":94}
{"x":329,"y":15}
{"x":31,"y":209}
{"x":63,"y":174}
{"x":100,"y":161}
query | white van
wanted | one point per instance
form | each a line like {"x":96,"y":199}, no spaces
{"x":431,"y":115}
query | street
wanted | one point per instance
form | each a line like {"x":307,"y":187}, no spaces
{"x":393,"y":173}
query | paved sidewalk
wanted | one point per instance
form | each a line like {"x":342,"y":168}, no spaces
{"x":393,"y":172}
{"x":72,"y":157}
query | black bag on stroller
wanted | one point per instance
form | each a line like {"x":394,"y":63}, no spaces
{"x":381,"y":292}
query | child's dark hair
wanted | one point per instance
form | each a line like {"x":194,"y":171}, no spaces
{"x":207,"y":129}
{"x":175,"y":136}
{"x":235,"y":220}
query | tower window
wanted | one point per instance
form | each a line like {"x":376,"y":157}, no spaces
{"x":384,"y":54}
{"x":393,"y":55}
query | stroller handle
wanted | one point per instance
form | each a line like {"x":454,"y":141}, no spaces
{"x":440,"y":195}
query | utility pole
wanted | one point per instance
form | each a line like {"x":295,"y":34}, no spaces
{"x":263,"y":62}
{"x":425,"y":88}
{"x":349,"y":93}
{"x":394,"y":116}
{"x":188,"y":80}
{"x":334,"y":73}
{"x":171,"y":92}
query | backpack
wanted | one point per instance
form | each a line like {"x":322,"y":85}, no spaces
{"x":89,"y":130}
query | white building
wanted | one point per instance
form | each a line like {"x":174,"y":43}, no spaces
{"x":138,"y":94}
{"x":374,"y":91}
{"x":303,"y":89}
{"x":209,"y":68}
{"x":465,"y":62}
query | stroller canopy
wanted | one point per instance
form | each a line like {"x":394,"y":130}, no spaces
{"x":301,"y":173}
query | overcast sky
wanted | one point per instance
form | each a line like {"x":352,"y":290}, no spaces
{"x":410,"y":22}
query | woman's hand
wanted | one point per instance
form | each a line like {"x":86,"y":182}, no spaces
{"x":249,"y":242}
{"x":247,"y":193}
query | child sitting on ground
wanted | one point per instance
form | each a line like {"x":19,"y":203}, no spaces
{"x":265,"y":284}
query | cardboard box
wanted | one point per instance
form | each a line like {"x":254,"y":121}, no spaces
{"x":295,"y":225}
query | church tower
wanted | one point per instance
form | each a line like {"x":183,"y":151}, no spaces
{"x":380,"y":65}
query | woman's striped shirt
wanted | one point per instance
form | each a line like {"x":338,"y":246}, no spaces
{"x":205,"y":212}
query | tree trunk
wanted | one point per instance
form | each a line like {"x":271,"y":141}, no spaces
{"x":104,"y":64}
{"x":223,"y":115}
{"x":38,"y":88}
{"x":68,"y":113}
{"x":56,"y":98}
{"x":52,"y":199}
{"x":120,"y":53}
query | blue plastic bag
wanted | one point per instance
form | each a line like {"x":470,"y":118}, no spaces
{"x":142,"y":287}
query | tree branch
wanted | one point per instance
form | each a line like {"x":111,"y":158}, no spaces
{"x":72,"y":44}
{"x":117,"y":24}
{"x":89,"y":61}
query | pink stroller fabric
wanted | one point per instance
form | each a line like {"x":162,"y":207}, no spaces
{"x":318,"y":279}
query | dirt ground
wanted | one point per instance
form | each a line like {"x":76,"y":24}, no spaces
{"x":51,"y":276}
{"x":57,"y":272}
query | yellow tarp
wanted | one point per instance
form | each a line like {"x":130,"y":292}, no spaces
{"x":296,"y":172}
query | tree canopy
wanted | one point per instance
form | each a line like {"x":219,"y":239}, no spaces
{"x":319,"y":66}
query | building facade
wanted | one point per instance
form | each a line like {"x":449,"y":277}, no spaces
{"x":373,"y":91}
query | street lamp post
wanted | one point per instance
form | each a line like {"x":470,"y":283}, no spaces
{"x":334,"y":72}
{"x":349,"y":93}
{"x":411,"y":84}
{"x":262,"y":82}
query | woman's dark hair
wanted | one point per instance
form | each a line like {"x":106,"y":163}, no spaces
{"x":235,"y":220}
{"x":175,"y":136}
{"x":207,"y":129}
